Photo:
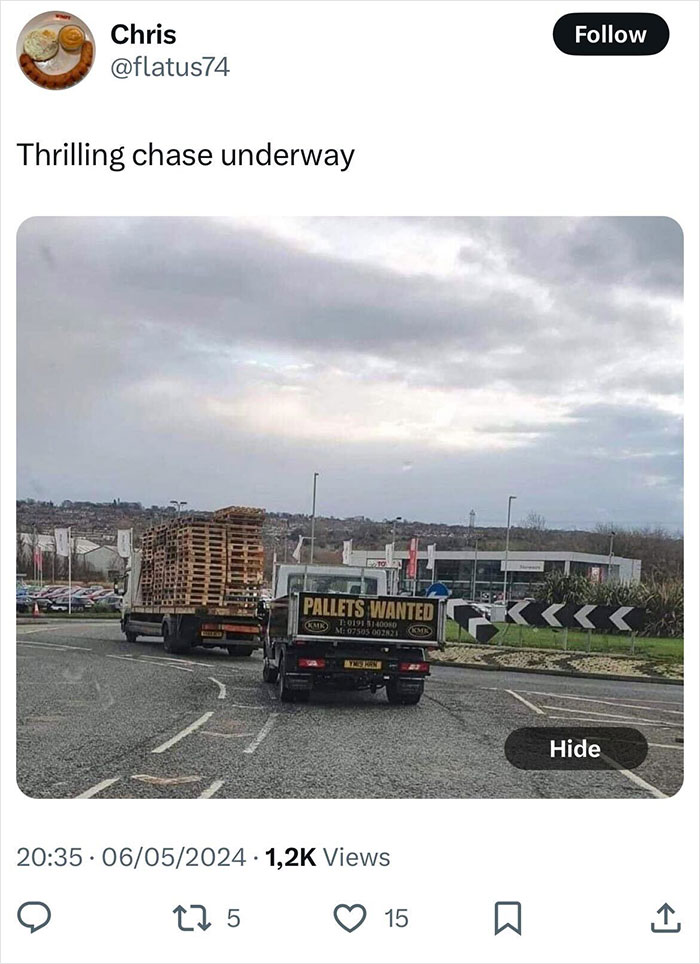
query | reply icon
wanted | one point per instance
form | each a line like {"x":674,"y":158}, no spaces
{"x":508,"y":916}
{"x":34,"y":914}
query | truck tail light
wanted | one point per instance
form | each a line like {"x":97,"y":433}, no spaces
{"x":413,"y":667}
{"x":305,"y":662}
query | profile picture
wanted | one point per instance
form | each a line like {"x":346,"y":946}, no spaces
{"x":55,"y":50}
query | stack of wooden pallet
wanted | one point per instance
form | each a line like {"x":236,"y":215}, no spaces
{"x":204,"y":562}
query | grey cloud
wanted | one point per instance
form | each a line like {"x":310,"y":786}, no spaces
{"x":110,"y":310}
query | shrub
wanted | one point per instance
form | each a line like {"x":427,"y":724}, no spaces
{"x":662,"y":599}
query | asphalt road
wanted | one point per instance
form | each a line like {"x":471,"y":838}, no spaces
{"x":99,"y":717}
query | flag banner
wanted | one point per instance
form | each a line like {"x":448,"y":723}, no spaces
{"x":62,"y":542}
{"x":124,"y":543}
{"x":347,"y":552}
{"x":431,"y":557}
{"x":389,"y":553}
{"x":412,"y":569}
{"x":297,"y":552}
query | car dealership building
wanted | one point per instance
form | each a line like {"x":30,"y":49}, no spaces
{"x":479,"y":575}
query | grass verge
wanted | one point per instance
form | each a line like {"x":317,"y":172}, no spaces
{"x":531,"y":637}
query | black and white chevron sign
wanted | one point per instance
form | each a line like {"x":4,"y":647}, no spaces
{"x":628,"y":619}
{"x":475,"y":623}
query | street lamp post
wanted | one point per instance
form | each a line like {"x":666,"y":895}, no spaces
{"x":313,"y":521}
{"x":476,"y":559}
{"x":511,"y":499}
{"x":610,"y":555}
{"x":178,"y":505}
{"x":393,"y":535}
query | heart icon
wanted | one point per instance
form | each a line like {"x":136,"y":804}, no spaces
{"x":350,"y":917}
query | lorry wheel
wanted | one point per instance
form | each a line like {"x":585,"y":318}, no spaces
{"x":240,"y":650}
{"x":270,"y":672}
{"x":130,"y":637}
{"x":172,"y":643}
{"x":401,"y":699}
{"x":286,"y":695}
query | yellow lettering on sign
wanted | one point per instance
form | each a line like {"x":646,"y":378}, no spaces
{"x":308,"y":605}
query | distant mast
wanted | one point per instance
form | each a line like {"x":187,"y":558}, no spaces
{"x":472,"y":519}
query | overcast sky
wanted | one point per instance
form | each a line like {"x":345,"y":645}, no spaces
{"x":424,"y":367}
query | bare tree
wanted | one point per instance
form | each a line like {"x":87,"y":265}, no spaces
{"x":534,"y":521}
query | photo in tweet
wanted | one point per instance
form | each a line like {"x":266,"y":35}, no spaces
{"x":350,"y":507}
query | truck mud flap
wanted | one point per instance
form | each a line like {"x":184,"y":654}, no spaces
{"x":297,"y":681}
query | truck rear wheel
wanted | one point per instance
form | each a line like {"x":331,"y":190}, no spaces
{"x":285,"y":693}
{"x":240,"y":650}
{"x":173,"y":643}
{"x":130,"y":637}
{"x":397,"y":698}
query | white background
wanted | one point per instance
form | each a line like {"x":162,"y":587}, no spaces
{"x":455,"y":109}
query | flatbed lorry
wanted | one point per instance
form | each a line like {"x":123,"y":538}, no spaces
{"x":197,"y":581}
{"x":238,"y":627}
{"x":337,"y":627}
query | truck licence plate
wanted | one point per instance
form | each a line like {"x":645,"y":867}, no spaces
{"x":362,"y":664}
{"x":211,"y":634}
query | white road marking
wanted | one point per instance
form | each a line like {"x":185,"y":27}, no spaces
{"x":667,"y":746}
{"x":248,"y":706}
{"x":211,"y":790}
{"x":164,"y":781}
{"x":30,"y":646}
{"x":183,"y":669}
{"x":37,"y":629}
{"x":610,"y":699}
{"x":222,"y":688}
{"x":226,"y":736}
{"x":145,"y":661}
{"x":183,"y":733}
{"x":535,"y":709}
{"x":592,"y":699}
{"x":254,"y":744}
{"x":616,"y":716}
{"x":634,"y":778}
{"x":98,"y":788}
{"x":622,"y":719}
{"x":174,"y":659}
{"x":61,"y":647}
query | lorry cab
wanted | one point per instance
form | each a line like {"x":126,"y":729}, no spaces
{"x":355,"y":580}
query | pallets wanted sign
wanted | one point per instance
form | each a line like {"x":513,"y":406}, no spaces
{"x":627,"y":619}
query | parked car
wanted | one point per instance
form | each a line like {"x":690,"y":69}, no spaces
{"x":25,"y":601}
{"x":111,"y":601}
{"x":59,"y":604}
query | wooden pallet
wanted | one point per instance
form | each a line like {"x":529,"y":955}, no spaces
{"x":201,"y":562}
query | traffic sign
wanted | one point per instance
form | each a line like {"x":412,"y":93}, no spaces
{"x":475,"y":623}
{"x":627,"y":619}
{"x":438,"y":589}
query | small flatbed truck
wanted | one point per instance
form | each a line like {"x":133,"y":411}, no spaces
{"x":336,"y":627}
